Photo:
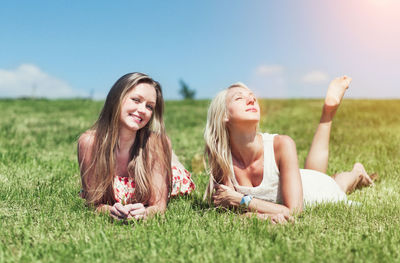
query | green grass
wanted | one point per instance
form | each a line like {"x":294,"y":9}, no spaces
{"x":42,"y":219}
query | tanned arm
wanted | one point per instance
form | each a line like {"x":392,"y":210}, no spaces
{"x":291,"y":186}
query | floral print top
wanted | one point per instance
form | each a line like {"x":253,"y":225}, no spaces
{"x":124,"y":187}
{"x":182,"y":182}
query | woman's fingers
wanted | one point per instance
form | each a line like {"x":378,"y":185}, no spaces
{"x":223,"y":187}
{"x":278,"y":219}
{"x":115,"y":213}
{"x":273,"y":218}
{"x":369,"y":180}
{"x":121,"y":209}
{"x":138,"y":217}
{"x":139,"y":211}
{"x":135,"y":206}
{"x":288,"y":217}
{"x":282,"y":219}
{"x":216,"y":197}
{"x":114,"y":216}
{"x":219,"y":192}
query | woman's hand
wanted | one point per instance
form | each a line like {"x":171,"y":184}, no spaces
{"x":121,"y":212}
{"x":137,"y":211}
{"x":274,"y":218}
{"x":226,"y":197}
{"x":280,"y":218}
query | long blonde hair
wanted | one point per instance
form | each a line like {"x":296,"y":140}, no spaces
{"x":217,"y":152}
{"x":150,"y":146}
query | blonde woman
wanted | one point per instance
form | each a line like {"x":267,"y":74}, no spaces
{"x":125,"y":159}
{"x":260,"y":171}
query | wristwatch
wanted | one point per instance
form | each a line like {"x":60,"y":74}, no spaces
{"x":246,"y":199}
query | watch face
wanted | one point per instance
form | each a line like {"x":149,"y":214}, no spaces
{"x":246,"y":200}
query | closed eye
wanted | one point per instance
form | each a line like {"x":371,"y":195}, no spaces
{"x":136,"y":99}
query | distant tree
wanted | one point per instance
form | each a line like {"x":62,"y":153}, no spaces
{"x":91,"y":94}
{"x":185,"y":91}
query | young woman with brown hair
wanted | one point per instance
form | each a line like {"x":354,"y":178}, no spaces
{"x":127,"y":166}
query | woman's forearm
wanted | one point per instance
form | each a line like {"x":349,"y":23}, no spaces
{"x":103,"y":209}
{"x":226,"y":196}
{"x":262,"y":206}
{"x":153,"y":210}
{"x":266,"y":207}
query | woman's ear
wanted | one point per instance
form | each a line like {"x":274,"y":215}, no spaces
{"x":226,"y":119}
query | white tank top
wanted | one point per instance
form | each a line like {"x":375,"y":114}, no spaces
{"x":317,"y":187}
{"x":268,"y":189}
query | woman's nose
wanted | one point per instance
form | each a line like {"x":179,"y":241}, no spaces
{"x":250,"y":100}
{"x":142,"y":107}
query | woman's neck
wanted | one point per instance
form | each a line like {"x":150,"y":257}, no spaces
{"x":245,"y":145}
{"x":126,"y":140}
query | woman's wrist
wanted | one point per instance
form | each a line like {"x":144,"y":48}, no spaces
{"x":103,"y":208}
{"x":237,"y":198}
{"x":245,"y":201}
{"x":152,"y":210}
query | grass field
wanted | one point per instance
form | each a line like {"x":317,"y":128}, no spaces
{"x":42,"y":219}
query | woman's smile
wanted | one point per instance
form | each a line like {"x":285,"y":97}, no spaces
{"x":137,"y":107}
{"x":136,"y":118}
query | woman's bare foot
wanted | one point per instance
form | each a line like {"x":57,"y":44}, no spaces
{"x":336,"y":90}
{"x":335,"y":94}
{"x":374,"y":177}
{"x":357,"y":178}
{"x":363,"y":178}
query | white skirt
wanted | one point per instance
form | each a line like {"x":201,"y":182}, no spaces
{"x":320,"y":188}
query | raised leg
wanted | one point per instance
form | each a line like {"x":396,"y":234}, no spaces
{"x":357,"y":178}
{"x":317,"y":158}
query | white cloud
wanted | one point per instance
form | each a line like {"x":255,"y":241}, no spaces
{"x":269,"y":81}
{"x":315,"y":77}
{"x":30,"y":80}
{"x":268,"y":70}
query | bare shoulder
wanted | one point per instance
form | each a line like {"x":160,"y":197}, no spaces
{"x":86,"y":139}
{"x":283,"y":144}
{"x":85,"y":144}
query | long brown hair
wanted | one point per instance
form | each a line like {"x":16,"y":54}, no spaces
{"x":150,"y":146}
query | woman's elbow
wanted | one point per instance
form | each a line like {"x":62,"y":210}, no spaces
{"x":153,"y":210}
{"x":162,"y":208}
{"x":295,"y":209}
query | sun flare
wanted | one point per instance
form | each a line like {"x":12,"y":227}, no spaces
{"x":384,"y":3}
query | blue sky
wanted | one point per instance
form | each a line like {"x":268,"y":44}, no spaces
{"x":278,"y":48}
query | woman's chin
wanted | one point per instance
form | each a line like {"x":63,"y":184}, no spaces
{"x":248,"y":123}
{"x":133,"y":127}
